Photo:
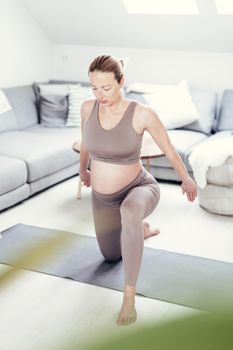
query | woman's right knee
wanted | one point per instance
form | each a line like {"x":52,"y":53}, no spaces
{"x":112,"y":258}
{"x":109,"y":253}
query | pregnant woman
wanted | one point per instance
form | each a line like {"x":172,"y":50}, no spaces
{"x":123,"y":191}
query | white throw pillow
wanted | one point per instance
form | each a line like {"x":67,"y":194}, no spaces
{"x":77,"y":94}
{"x":174,"y":105}
{"x":4,"y":104}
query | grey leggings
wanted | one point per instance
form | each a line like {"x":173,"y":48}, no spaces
{"x":118,"y":222}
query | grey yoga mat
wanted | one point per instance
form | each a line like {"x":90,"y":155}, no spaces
{"x":172,"y":277}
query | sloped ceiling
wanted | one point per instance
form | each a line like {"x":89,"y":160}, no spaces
{"x":107,"y":23}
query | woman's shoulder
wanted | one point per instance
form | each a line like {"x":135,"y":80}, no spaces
{"x":144,"y":113}
{"x":142,"y":108}
{"x":87,"y":107}
{"x":88,"y":103}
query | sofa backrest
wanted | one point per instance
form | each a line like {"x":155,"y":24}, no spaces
{"x":23,"y":101}
{"x":8,"y":121}
{"x":225,"y":115}
{"x":60,"y":81}
{"x":206,"y":104}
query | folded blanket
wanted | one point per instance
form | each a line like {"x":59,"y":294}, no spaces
{"x":210,"y":153}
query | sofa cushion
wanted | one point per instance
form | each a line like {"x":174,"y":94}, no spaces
{"x":53,"y":110}
{"x":15,"y":196}
{"x":43,"y":154}
{"x":23,"y":102}
{"x":221,"y":134}
{"x":77,"y":95}
{"x":173,"y":105}
{"x":8,"y":121}
{"x":36,"y":90}
{"x":74,"y":133}
{"x":225,"y":118}
{"x":206,"y":104}
{"x":13,"y":174}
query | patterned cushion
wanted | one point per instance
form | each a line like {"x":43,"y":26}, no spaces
{"x":77,"y":94}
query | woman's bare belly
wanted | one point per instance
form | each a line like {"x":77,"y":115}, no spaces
{"x":109,"y":178}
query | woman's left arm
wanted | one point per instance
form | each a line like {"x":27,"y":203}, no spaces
{"x":154,"y":126}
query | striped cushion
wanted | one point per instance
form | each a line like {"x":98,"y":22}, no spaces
{"x":77,"y":94}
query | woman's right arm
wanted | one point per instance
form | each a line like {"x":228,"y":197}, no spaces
{"x":84,"y":173}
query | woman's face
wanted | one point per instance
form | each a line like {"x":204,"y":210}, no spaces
{"x":105,"y":87}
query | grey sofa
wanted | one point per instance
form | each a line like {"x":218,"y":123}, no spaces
{"x":33,"y":157}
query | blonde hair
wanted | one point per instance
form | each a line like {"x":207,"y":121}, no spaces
{"x":108,"y":63}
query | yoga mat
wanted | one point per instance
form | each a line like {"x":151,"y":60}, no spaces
{"x":167,"y":276}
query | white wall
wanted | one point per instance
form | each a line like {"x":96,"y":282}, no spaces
{"x":107,"y":23}
{"x":25,"y":51}
{"x":207,"y":70}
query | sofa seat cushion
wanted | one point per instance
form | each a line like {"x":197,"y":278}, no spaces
{"x":182,"y":140}
{"x":222,"y":134}
{"x":15,"y":196}
{"x":74,"y":133}
{"x":43,"y":154}
{"x":13,"y":174}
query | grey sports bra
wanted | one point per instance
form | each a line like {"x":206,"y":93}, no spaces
{"x":121,"y":144}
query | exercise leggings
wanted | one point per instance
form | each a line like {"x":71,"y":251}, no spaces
{"x":118,"y":222}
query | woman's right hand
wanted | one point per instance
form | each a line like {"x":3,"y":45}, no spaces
{"x":85,"y":177}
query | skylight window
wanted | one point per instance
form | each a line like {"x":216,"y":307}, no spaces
{"x":161,"y":7}
{"x":224,"y":7}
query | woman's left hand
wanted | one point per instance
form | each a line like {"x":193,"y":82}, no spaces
{"x":189,"y":186}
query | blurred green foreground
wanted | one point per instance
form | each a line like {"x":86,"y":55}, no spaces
{"x":211,"y":330}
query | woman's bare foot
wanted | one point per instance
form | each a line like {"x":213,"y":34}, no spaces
{"x":148,"y":232}
{"x":128,"y":313}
